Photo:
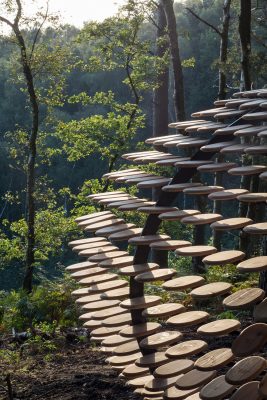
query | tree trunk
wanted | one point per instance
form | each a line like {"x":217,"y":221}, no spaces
{"x":245,"y":41}
{"x":30,"y":188}
{"x":178,"y":95}
{"x":160,"y":94}
{"x":224,"y":49}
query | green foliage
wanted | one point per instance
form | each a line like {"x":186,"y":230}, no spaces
{"x":47,"y":307}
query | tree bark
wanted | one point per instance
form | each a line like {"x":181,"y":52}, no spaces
{"x":160,"y":94}
{"x":30,"y":172}
{"x":178,"y":95}
{"x":245,"y":41}
{"x":224,"y":49}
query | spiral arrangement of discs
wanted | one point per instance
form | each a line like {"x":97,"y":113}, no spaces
{"x":176,"y":349}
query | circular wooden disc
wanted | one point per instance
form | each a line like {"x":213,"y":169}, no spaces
{"x":117,"y":262}
{"x":196,"y":251}
{"x":211,"y":290}
{"x":91,"y":280}
{"x":231,"y":223}
{"x":161,"y":339}
{"x":245,"y":370}
{"x":86,"y":316}
{"x":135,"y":206}
{"x":87,"y":246}
{"x":95,"y":220}
{"x":100,"y":305}
{"x":224,"y":257}
{"x":104,"y":331}
{"x":113,"y":229}
{"x":109,"y":312}
{"x":86,"y":241}
{"x":179,"y":187}
{"x":234,"y":149}
{"x":228,"y":194}
{"x":96,"y":226}
{"x":219,"y":327}
{"x":173,"y":393}
{"x":214,"y":359}
{"x":228,"y":130}
{"x":132,"y":371}
{"x":174,"y":368}
{"x":251,"y":340}
{"x":186,"y":349}
{"x":133,"y":270}
{"x":124,"y":360}
{"x":113,"y":199}
{"x":188,"y":318}
{"x":97,"y":250}
{"x":102,"y":287}
{"x":81,"y":266}
{"x":146,"y":240}
{"x":164,"y":310}
{"x":115,"y":340}
{"x":184,"y":282}
{"x":244,"y":298}
{"x":195,"y":378}
{"x":162,"y":274}
{"x":203,"y":190}
{"x":247,"y":170}
{"x":161,"y":383}
{"x":140,"y":302}
{"x":260,"y":312}
{"x":216,"y":167}
{"x":217,"y":389}
{"x":169,"y":244}
{"x":255,"y":264}
{"x":153,"y":183}
{"x":249,"y":391}
{"x":92,"y":324}
{"x":140,"y":330}
{"x":215,"y":147}
{"x":108,"y":255}
{"x":256,"y":116}
{"x":177,"y":215}
{"x":191,"y":163}
{"x":156,"y":209}
{"x":125,"y":235}
{"x":117,"y":320}
{"x":140,"y":381}
{"x":256,"y":229}
{"x":116,"y":294}
{"x":88,"y":216}
{"x":201,"y":219}
{"x":254,"y":130}
{"x":88,"y":298}
{"x":126,"y":348}
{"x":152,"y":360}
{"x":256,"y":150}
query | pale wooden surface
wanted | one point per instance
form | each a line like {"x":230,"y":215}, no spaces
{"x":244,"y":298}
{"x":219,"y":328}
{"x":245,"y":370}
{"x":214,"y":359}
{"x":186,"y":349}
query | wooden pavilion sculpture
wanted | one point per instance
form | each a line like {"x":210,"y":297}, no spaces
{"x":167,"y":350}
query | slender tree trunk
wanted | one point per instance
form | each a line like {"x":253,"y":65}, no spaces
{"x":30,"y":188}
{"x":245,"y":41}
{"x":160,"y":94}
{"x":178,"y":95}
{"x":160,"y":110}
{"x":224,"y":49}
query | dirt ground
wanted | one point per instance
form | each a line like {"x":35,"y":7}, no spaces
{"x":77,"y":373}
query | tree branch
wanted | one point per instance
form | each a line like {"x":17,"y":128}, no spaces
{"x":6,"y":21}
{"x":204,"y":21}
{"x":18,"y":16}
{"x":38,"y":31}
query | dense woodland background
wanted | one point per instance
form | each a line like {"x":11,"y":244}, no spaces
{"x":85,"y":97}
